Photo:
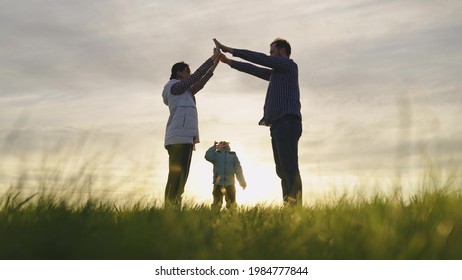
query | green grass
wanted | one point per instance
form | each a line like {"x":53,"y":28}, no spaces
{"x":427,"y":225}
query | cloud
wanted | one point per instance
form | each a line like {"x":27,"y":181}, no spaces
{"x":376,"y":77}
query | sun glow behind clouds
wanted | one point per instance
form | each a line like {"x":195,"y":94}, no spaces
{"x":366,"y":55}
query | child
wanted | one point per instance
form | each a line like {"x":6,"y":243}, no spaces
{"x":225,"y":165}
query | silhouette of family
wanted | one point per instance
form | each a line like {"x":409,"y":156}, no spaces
{"x":281,"y":113}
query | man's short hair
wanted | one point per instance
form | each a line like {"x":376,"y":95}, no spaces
{"x":282,"y":43}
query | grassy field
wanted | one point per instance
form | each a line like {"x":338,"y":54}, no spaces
{"x":427,"y":225}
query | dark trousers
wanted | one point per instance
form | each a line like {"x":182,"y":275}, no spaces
{"x":284,"y":139}
{"x":229,"y":192}
{"x":178,"y":163}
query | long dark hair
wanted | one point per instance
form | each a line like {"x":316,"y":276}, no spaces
{"x":180,"y":66}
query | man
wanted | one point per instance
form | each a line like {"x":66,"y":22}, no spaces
{"x":281,"y":111}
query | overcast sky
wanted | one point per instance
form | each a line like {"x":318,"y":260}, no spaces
{"x":380,"y":83}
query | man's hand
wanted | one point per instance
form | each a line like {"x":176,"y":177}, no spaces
{"x":223,"y":47}
{"x":224,"y":59}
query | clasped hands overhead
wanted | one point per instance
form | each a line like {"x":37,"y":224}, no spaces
{"x":219,"y":48}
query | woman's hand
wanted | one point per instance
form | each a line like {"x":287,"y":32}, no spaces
{"x":216,"y":54}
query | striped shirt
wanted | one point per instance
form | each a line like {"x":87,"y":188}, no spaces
{"x":283,"y":94}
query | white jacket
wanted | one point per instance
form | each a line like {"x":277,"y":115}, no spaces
{"x":183,"y":125}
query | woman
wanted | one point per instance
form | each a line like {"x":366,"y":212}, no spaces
{"x":182,"y":131}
